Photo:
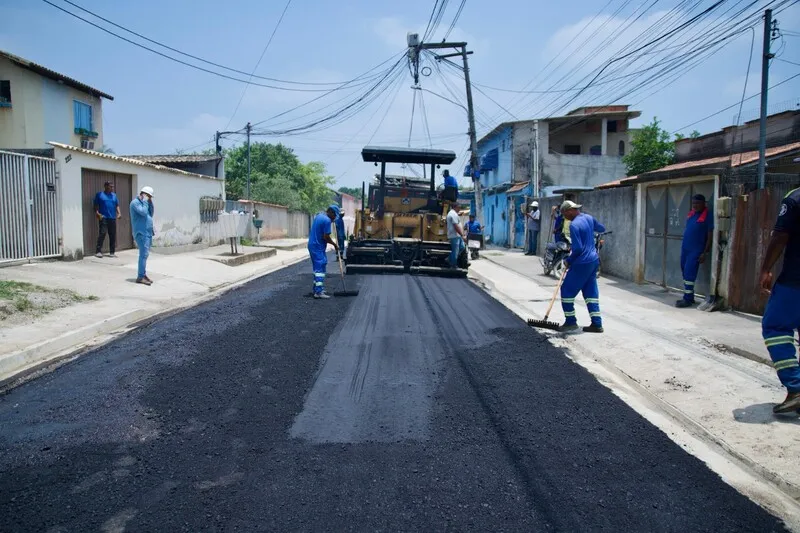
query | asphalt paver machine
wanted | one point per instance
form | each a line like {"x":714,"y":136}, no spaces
{"x":402,"y":225}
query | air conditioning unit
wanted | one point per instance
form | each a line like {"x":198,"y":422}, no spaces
{"x":87,"y":144}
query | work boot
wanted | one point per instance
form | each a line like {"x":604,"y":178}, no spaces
{"x":791,"y":403}
{"x":567,"y":328}
{"x":322,"y":296}
{"x":683,"y":304}
{"x":593,"y":329}
{"x":143,"y":281}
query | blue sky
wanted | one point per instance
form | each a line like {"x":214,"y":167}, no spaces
{"x":161,"y":106}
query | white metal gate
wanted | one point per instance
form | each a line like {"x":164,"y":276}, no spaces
{"x":29,"y":214}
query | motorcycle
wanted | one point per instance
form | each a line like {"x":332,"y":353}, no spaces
{"x":557,"y":252}
{"x":554,"y":256}
{"x":598,"y":245}
{"x":474,"y":243}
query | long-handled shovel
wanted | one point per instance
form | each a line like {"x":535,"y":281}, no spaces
{"x":545,"y":324}
{"x":344,"y":291}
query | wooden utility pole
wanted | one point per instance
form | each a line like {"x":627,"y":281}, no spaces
{"x":474,"y":165}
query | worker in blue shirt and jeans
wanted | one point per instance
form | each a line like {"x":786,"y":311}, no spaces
{"x":142,"y":229}
{"x":781,"y":320}
{"x":697,"y":239}
{"x":582,"y":265}
{"x":106,"y":209}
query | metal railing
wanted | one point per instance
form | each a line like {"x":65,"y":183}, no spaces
{"x":30,"y":224}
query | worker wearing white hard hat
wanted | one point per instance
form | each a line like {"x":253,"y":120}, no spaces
{"x":533,"y":225}
{"x":142,"y":229}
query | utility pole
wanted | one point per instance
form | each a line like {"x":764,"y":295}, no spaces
{"x":249,"y":128}
{"x":415,"y":46}
{"x":762,"y":139}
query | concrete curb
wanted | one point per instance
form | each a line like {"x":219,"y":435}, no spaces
{"x":695,"y":428}
{"x":756,"y":358}
{"x":17,"y":367}
{"x":244,"y":258}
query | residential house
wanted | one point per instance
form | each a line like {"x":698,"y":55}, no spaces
{"x":647,"y":213}
{"x":39,"y":105}
{"x":522,"y":159}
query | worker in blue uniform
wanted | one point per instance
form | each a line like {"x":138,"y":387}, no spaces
{"x":472,"y":225}
{"x":582,"y":265}
{"x":450,"y":187}
{"x":782,"y":317}
{"x":318,"y":240}
{"x":340,"y":231}
{"x":697,"y":239}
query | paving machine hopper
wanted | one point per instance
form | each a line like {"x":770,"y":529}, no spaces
{"x":402,"y":225}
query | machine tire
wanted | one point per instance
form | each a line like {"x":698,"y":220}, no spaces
{"x":475,"y":254}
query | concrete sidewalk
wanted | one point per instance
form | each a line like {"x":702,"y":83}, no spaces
{"x":690,"y":363}
{"x":179,"y":281}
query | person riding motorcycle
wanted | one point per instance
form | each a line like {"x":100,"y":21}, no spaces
{"x":473,"y":226}
{"x":561,"y":227}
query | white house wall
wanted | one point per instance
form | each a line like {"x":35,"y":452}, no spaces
{"x":176,"y":199}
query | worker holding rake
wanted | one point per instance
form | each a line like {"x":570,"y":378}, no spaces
{"x":582,"y":265}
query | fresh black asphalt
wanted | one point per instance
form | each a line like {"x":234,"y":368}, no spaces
{"x":419,"y":405}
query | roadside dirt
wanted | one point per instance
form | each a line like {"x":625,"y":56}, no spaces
{"x":19,"y":301}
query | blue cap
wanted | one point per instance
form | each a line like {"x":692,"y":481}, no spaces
{"x":334,"y":208}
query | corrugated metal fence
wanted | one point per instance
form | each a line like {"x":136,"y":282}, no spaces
{"x":754,"y":217}
{"x":29,"y":208}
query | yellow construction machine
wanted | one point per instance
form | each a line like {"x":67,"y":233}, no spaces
{"x":402,"y":225}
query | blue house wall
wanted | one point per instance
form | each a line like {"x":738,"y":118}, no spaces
{"x":493,"y":179}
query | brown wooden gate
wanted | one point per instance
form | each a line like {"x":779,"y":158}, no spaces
{"x":92,"y":183}
{"x":756,"y":213}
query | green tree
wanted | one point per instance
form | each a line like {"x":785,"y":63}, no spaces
{"x":277,"y":176}
{"x":651,"y":149}
{"x":694,"y":135}
{"x":352,"y":191}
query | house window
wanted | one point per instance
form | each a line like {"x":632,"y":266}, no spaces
{"x":83,"y":117}
{"x":596,"y":150}
{"x":611,"y":126}
{"x":621,"y":148}
{"x":5,"y":93}
{"x":572,"y":149}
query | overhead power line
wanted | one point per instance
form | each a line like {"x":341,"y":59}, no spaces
{"x":196,"y":58}
{"x":714,"y":114}
{"x":264,"y":51}
{"x":202,"y":69}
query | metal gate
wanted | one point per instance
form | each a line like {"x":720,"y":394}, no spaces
{"x":30,"y":226}
{"x":666,"y":210}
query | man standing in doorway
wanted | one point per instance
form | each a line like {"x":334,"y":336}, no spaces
{"x":454,"y":234}
{"x":318,"y":240}
{"x":582,"y":265}
{"x":106,"y":209}
{"x":534,"y":224}
{"x":142,"y":229}
{"x":782,"y":317}
{"x":697,"y":239}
